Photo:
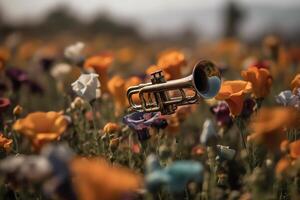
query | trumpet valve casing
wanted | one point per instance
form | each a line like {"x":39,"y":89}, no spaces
{"x":162,"y":96}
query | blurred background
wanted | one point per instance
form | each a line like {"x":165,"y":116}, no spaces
{"x":176,"y":20}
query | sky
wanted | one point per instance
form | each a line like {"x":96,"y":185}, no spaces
{"x":164,"y":16}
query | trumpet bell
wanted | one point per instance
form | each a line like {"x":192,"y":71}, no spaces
{"x":206,"y":79}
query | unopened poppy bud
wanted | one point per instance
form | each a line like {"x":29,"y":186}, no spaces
{"x":114,"y":143}
{"x":110,"y":128}
{"x":77,"y":103}
{"x":18,"y":110}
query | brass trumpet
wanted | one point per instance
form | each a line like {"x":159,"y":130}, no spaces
{"x":205,"y":81}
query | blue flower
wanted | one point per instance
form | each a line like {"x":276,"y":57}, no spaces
{"x":174,"y":177}
{"x":287,"y":98}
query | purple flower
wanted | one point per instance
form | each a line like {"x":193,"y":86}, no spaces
{"x":20,"y":77}
{"x":17,"y":77}
{"x":140,"y":122}
{"x":222,"y":114}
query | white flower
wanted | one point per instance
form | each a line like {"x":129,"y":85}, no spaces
{"x":209,"y":134}
{"x":59,"y":71}
{"x":287,"y":98}
{"x":87,"y":86}
{"x":73,"y":52}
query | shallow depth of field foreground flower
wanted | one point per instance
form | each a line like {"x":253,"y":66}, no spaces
{"x":84,"y":95}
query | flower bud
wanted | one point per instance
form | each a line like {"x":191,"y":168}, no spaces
{"x":18,"y":110}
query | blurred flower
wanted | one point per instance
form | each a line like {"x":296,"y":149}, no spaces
{"x":95,"y":178}
{"x":111,"y":127}
{"x":87,"y":86}
{"x":209,"y":134}
{"x":155,"y":68}
{"x":222,"y":114}
{"x":198,"y":150}
{"x":224,"y":153}
{"x":18,"y":110}
{"x":17,"y":77}
{"x":60,"y":70}
{"x":116,"y":87}
{"x":74,"y":51}
{"x":4,"y":104}
{"x":260,"y":79}
{"x":139,"y":122}
{"x":282,"y":165}
{"x":41,"y":127}
{"x":295,"y":83}
{"x":4,"y":56}
{"x":295,"y":149}
{"x":5,"y":143}
{"x":50,"y":169}
{"x":100,"y":65}
{"x":172,"y":62}
{"x":287,"y":98}
{"x":271,"y":47}
{"x":233,"y":93}
{"x":125,"y":55}
{"x":175,"y":176}
{"x":269,"y":125}
{"x":133,"y":81}
{"x":27,"y":49}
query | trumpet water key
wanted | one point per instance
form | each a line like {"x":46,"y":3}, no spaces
{"x":158,"y":95}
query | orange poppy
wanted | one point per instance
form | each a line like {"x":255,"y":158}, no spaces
{"x":4,"y":56}
{"x":172,"y":62}
{"x":111,"y":127}
{"x":28,"y":49}
{"x":41,"y":127}
{"x":282,"y":166}
{"x":116,"y":87}
{"x":269,"y":125}
{"x":295,"y":149}
{"x":133,"y":81}
{"x":233,"y":93}
{"x":261,"y":80}
{"x":5,"y":143}
{"x":100,"y":65}
{"x":295,"y":84}
{"x":102,"y":180}
{"x":125,"y":55}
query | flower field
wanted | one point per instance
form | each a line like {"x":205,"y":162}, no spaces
{"x":68,"y":130}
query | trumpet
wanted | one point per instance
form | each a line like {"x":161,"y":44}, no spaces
{"x":205,"y":82}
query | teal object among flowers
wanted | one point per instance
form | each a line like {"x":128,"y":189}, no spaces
{"x":174,"y":177}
